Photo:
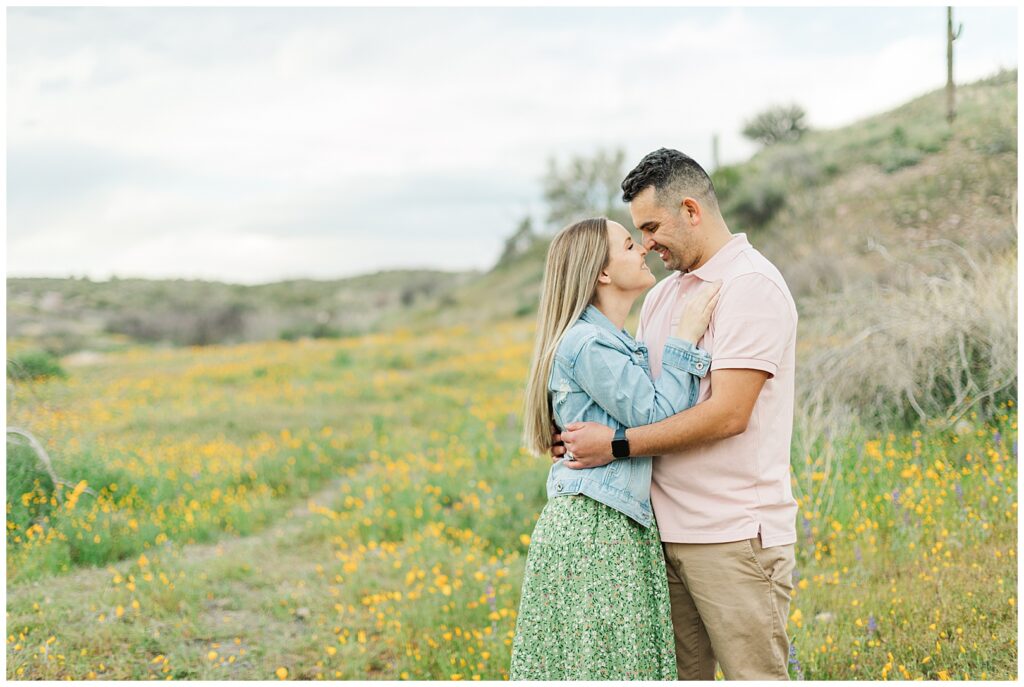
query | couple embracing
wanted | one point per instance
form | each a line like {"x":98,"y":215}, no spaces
{"x":667,"y":542}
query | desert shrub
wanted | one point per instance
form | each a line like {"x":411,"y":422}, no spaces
{"x":315,"y":330}
{"x":897,"y":158}
{"x":726,"y":180}
{"x":525,"y":309}
{"x":818,"y":272}
{"x":776,"y":124}
{"x":326,"y":331}
{"x":755,"y":201}
{"x":928,"y":348}
{"x":189,"y":325}
{"x":800,"y":166}
{"x":755,"y":196}
{"x":34,"y":365}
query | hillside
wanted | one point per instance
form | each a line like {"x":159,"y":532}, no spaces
{"x":841,"y":209}
{"x":65,"y":315}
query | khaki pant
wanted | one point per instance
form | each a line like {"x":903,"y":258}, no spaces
{"x":730,"y":603}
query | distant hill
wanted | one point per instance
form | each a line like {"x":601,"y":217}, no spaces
{"x":65,"y":315}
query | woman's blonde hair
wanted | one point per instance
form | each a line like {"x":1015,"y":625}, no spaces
{"x":575,"y":260}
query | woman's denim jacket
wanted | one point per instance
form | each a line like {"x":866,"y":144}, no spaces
{"x":601,"y":374}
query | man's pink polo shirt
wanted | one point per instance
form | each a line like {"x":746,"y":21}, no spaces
{"x":738,"y":487}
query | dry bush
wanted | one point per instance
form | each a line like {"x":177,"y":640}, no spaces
{"x":937,"y":341}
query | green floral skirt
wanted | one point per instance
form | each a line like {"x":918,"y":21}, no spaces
{"x":595,"y":600}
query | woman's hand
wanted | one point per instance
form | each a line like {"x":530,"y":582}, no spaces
{"x":695,"y":312}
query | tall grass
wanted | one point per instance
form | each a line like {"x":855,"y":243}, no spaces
{"x":927,"y":347}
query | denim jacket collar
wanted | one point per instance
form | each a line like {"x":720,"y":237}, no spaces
{"x":594,"y":316}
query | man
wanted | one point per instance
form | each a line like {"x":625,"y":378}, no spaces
{"x":721,"y":484}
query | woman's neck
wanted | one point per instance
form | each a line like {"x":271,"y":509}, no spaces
{"x":615,"y":306}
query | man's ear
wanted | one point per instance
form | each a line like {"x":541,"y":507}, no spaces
{"x":692,"y":210}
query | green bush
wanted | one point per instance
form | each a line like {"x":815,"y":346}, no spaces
{"x":34,"y":365}
{"x":898,"y":158}
{"x":726,"y":180}
{"x":29,"y":487}
{"x":318,"y":330}
{"x":525,"y":309}
{"x":325,"y":331}
{"x":755,"y":202}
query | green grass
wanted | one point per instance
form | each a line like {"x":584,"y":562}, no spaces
{"x":391,"y":544}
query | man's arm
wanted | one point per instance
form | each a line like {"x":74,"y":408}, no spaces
{"x":724,"y":415}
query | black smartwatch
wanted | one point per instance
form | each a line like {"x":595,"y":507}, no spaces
{"x":620,"y":444}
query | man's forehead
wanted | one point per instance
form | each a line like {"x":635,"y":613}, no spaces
{"x":646,"y":197}
{"x":644,"y":207}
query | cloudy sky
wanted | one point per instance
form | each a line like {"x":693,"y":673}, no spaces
{"x":252,"y":145}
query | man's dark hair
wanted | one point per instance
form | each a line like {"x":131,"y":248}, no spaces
{"x":673,"y":175}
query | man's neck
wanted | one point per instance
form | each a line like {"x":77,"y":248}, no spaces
{"x":716,"y":241}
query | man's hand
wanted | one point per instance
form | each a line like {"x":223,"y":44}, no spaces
{"x":589,"y":444}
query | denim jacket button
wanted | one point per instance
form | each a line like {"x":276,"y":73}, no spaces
{"x":700,"y":366}
{"x":559,"y":487}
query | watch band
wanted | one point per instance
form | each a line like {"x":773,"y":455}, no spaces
{"x":620,"y":444}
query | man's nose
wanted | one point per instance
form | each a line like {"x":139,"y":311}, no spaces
{"x":648,"y":241}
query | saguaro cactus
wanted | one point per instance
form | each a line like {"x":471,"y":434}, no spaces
{"x":950,"y":86}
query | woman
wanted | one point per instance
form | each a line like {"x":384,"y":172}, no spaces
{"x":595,"y":602}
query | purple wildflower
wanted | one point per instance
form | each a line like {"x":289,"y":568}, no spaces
{"x":856,"y":552}
{"x":795,"y":662}
{"x":997,"y":437}
{"x":896,"y":497}
{"x":872,"y":625}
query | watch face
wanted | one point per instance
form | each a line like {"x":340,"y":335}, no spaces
{"x":620,"y":448}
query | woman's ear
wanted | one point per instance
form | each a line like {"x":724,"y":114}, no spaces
{"x":603,"y":278}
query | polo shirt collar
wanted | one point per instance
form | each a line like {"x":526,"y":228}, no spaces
{"x":594,"y":316}
{"x":714,"y":268}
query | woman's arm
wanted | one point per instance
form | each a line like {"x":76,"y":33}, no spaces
{"x":626,"y":391}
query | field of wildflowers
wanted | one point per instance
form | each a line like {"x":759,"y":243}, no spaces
{"x":360,"y":508}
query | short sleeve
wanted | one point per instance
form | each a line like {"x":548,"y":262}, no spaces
{"x":753,"y":324}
